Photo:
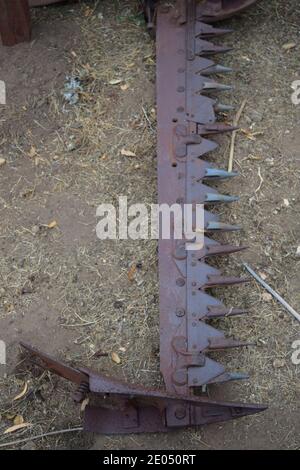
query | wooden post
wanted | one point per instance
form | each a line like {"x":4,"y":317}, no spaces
{"x":14,"y":21}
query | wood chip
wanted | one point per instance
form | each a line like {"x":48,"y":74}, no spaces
{"x":115,"y":357}
{"x":52,"y":224}
{"x":131,"y":272}
{"x":127,"y":153}
{"x":115,"y":81}
{"x":32,"y":152}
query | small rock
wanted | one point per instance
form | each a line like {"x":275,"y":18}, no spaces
{"x":2,"y":292}
{"x":298,"y":251}
{"x":255,"y":116}
{"x":286,"y":202}
{"x":278,"y":363}
{"x":2,"y":161}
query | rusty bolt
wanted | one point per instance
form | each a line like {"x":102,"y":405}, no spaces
{"x":180,"y":312}
{"x":180,"y":412}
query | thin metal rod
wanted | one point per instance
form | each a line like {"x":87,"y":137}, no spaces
{"x":272,"y":292}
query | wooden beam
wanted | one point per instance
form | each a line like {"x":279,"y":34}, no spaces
{"x":14,"y":21}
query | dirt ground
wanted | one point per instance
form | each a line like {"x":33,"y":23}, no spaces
{"x":76,"y":297}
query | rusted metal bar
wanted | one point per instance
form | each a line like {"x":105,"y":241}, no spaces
{"x":14,"y":22}
{"x":216,"y":10}
{"x":185,"y":116}
{"x":119,"y":408}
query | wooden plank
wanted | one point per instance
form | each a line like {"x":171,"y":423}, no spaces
{"x":14,"y":21}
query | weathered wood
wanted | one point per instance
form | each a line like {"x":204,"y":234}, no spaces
{"x":14,"y":21}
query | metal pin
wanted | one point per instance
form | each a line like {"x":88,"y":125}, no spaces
{"x":209,"y":49}
{"x":215,"y":86}
{"x":215,"y":69}
{"x":223,"y":108}
{"x":238,"y":376}
{"x":219,"y":174}
{"x":211,"y":197}
{"x":221,"y":226}
{"x":211,"y":32}
{"x":214,"y":250}
{"x":219,"y":312}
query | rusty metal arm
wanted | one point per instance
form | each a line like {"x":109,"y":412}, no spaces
{"x":118,"y":407}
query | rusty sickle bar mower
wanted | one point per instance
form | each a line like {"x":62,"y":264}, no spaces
{"x":186,"y":121}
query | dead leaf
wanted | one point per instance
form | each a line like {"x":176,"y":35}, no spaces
{"x":84,"y":404}
{"x":116,"y":81}
{"x":52,"y":224}
{"x":254,"y":157}
{"x":131,"y":272}
{"x":16,"y":427}
{"x":115,"y":357}
{"x":32,"y":152}
{"x":266,"y":297}
{"x":288,"y":46}
{"x":18,"y":420}
{"x":127,"y":153}
{"x":24,"y":391}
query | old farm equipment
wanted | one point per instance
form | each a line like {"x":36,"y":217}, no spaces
{"x":187,"y":119}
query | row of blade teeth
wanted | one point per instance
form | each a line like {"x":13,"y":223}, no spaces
{"x":204,"y":48}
